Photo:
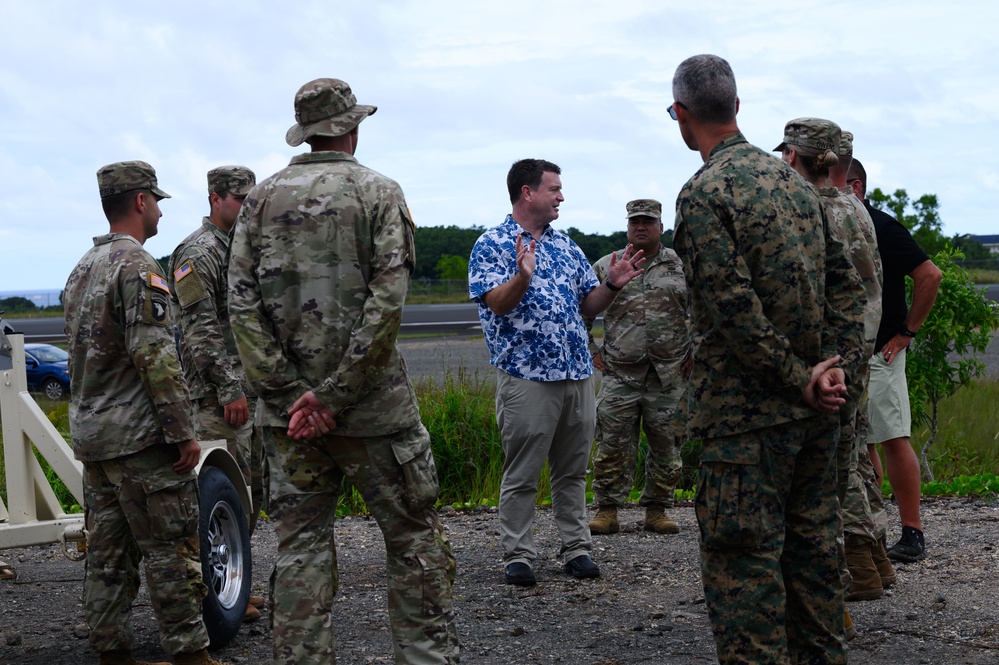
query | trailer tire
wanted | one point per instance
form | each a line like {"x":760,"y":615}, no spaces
{"x":226,"y":564}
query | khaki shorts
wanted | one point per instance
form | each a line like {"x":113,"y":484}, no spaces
{"x":888,"y":400}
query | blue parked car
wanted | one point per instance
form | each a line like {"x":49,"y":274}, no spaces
{"x":46,"y":368}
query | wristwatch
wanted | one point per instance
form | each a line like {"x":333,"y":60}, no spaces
{"x":904,"y":330}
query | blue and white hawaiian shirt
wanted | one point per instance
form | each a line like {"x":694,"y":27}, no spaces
{"x":544,"y":337}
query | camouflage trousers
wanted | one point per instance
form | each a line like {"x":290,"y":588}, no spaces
{"x":141,"y":508}
{"x":852,"y":422}
{"x":875,"y":498}
{"x":623,"y":408}
{"x":397,"y":479}
{"x":769,"y":518}
{"x":244,"y":443}
{"x":857,"y":517}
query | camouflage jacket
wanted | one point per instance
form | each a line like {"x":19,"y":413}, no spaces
{"x":320,"y":263}
{"x":646,"y":325}
{"x":126,"y":388}
{"x":199,"y":286}
{"x":847,"y":215}
{"x":772,"y":292}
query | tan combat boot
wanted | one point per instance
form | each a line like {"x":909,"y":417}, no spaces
{"x":605,"y":521}
{"x":866,"y":583}
{"x":123,"y":657}
{"x":883,"y":565}
{"x":657,"y":520}
{"x":849,"y":630}
{"x":197,"y":658}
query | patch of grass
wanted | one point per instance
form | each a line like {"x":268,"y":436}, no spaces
{"x":460,"y":416}
{"x":436,"y":299}
{"x":58,"y":415}
{"x":966,"y":442}
{"x":985,"y":276}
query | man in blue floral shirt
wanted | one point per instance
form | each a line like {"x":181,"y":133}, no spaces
{"x":533,"y":286}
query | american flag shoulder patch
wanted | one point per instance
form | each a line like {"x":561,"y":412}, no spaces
{"x":183,"y":271}
{"x":158,"y":282}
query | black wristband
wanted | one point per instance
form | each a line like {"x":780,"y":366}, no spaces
{"x":611,"y":286}
{"x":904,"y":330}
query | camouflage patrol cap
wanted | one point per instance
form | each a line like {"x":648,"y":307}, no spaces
{"x":644,"y":208}
{"x":845,"y":145}
{"x":237,"y":180}
{"x":123,"y":177}
{"x":325,"y":107}
{"x":811,"y":136}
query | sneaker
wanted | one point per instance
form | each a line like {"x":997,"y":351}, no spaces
{"x":582,"y":567}
{"x":519,"y":574}
{"x":910,"y":547}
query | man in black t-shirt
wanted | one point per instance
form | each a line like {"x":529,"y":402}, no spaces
{"x":888,"y":398}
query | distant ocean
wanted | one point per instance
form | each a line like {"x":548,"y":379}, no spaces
{"x":41,"y":297}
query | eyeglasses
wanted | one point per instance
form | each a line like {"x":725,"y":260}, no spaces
{"x":672,"y":111}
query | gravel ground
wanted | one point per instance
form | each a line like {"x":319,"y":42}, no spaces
{"x":647,"y":607}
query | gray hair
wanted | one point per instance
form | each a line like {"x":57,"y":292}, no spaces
{"x":705,"y":86}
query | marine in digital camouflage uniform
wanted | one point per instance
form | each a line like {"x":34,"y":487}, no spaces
{"x":774,"y":301}
{"x":321,"y":258}
{"x":645,"y":360}
{"x":199,"y":286}
{"x":812,"y":147}
{"x":130,"y":421}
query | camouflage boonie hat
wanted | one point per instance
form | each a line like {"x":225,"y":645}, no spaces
{"x":845,"y":145}
{"x":811,"y":136}
{"x":237,"y":180}
{"x":123,"y":177}
{"x":644,"y":208}
{"x":325,"y":107}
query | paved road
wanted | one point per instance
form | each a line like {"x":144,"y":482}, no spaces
{"x":449,"y":338}
{"x":447,"y":319}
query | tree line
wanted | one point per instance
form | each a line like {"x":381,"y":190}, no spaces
{"x":442,"y":251}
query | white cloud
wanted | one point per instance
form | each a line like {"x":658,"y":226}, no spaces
{"x":463,"y":90}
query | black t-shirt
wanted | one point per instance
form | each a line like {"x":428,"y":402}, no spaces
{"x":900,"y":255}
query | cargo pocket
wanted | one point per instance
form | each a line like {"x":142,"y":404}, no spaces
{"x":420,"y":485}
{"x":728,"y":504}
{"x":436,"y":587}
{"x":173,"y":506}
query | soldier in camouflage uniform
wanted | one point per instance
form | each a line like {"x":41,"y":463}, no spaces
{"x":859,"y":526}
{"x":645,"y":360}
{"x":811,"y":146}
{"x":130,"y":421}
{"x":775,"y":305}
{"x":199,"y":287}
{"x":321,"y":258}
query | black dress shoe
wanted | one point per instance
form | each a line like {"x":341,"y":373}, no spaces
{"x":582,"y":567}
{"x":520,"y":574}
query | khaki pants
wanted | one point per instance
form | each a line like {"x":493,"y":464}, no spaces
{"x":538,"y":421}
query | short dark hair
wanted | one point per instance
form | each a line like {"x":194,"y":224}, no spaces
{"x":705,"y":85}
{"x":857,"y":172}
{"x":117,"y":206}
{"x":528,"y":172}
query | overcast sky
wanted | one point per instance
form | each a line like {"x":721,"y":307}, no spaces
{"x":463,"y":90}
